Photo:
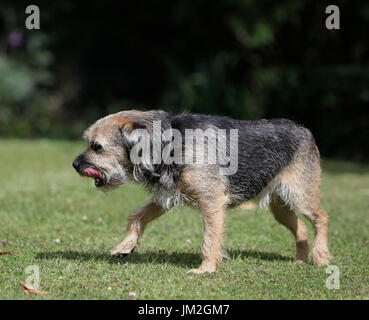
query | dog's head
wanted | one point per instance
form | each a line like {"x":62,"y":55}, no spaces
{"x":106,"y":157}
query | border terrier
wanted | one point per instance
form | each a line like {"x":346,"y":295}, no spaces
{"x":278,"y":166}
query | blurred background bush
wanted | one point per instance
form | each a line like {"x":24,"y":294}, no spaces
{"x":246,"y":59}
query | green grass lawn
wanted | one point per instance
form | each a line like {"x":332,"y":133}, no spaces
{"x":43,"y":199}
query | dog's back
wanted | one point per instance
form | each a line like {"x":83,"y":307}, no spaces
{"x":265,"y":148}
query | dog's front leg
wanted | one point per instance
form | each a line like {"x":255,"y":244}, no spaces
{"x":136,"y":225}
{"x":213,"y":217}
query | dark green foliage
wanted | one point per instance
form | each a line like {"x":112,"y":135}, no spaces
{"x":242,"y":58}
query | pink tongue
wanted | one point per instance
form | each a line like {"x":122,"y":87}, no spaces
{"x":92,"y":172}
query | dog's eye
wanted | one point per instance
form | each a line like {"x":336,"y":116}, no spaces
{"x":96,"y":146}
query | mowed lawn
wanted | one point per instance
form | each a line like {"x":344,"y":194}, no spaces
{"x":53,"y":219}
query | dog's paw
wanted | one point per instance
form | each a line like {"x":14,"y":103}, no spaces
{"x":320,"y":257}
{"x":298,"y":261}
{"x":121,"y":254}
{"x":202,"y":270}
{"x":123,"y":250}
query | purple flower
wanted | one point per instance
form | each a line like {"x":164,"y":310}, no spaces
{"x":15,"y":38}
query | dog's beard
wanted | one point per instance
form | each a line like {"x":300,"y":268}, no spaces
{"x":113,"y":178}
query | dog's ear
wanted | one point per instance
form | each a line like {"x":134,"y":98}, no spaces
{"x":133,"y":124}
{"x":128,"y":121}
{"x":131,"y":128}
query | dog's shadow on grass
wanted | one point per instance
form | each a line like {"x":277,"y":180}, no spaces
{"x":185,"y":259}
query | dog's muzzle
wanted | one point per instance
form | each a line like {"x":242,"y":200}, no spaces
{"x":87,"y":170}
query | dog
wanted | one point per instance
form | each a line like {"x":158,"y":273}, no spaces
{"x":278,"y":166}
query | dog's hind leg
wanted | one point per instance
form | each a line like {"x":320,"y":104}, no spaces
{"x":287,"y":217}
{"x":299,"y":187}
{"x":320,"y":254}
{"x":311,"y":209}
{"x":136,"y":225}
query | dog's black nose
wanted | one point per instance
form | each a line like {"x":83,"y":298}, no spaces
{"x":76,"y":164}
